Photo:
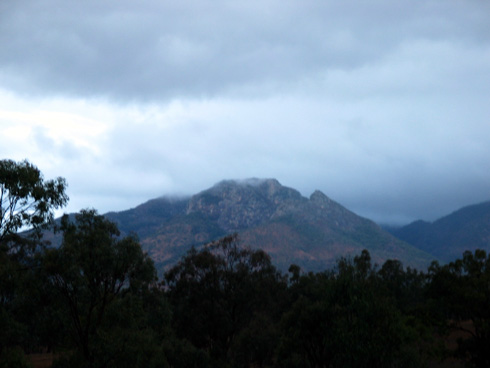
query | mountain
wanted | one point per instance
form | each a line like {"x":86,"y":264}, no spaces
{"x":311,"y":232}
{"x":447,"y":238}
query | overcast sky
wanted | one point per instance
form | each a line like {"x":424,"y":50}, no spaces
{"x":382,"y":105}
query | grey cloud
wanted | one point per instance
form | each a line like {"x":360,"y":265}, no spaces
{"x":389,"y":171}
{"x":161,"y":50}
{"x":56,"y":150}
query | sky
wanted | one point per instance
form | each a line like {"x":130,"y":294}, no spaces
{"x":382,"y":105}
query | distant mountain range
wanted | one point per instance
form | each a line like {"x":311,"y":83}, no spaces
{"x":447,"y":238}
{"x":310,"y":232}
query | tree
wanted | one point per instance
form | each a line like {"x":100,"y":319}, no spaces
{"x":219,"y":295}
{"x":461,"y":291}
{"x":100,"y":278}
{"x":344,"y":318}
{"x":406,"y":286}
{"x":27,"y":201}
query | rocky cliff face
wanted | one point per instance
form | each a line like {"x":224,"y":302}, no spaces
{"x":311,"y":232}
{"x":238,"y":205}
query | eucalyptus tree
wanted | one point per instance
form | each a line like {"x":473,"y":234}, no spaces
{"x":27,"y":202}
{"x":226,"y":299}
{"x":101,"y":281}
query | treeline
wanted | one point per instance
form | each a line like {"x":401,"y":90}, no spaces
{"x":96,"y":300}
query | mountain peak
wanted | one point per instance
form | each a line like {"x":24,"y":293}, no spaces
{"x":319,"y":198}
{"x":312,"y":232}
{"x":448,"y":237}
{"x":271,"y":189}
{"x":238,"y":204}
{"x":244,"y":183}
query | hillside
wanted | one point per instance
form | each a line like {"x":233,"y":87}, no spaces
{"x":311,"y":232}
{"x":447,"y":238}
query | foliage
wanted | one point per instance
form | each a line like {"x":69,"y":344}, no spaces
{"x":26,"y":202}
{"x":14,"y":358}
{"x":96,"y":275}
{"x":218,"y":293}
{"x":460,"y":290}
{"x":96,"y":299}
{"x":344,"y":319}
{"x":26,"y":199}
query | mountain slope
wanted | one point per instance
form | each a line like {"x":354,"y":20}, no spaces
{"x":311,"y":232}
{"x":447,"y":238}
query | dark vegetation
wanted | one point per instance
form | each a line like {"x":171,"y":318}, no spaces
{"x":96,"y":301}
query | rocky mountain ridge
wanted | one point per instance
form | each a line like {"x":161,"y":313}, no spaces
{"x":238,"y":205}
{"x":311,"y":232}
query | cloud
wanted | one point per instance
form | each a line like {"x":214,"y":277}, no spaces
{"x":154,"y":51}
{"x":381,"y":105}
